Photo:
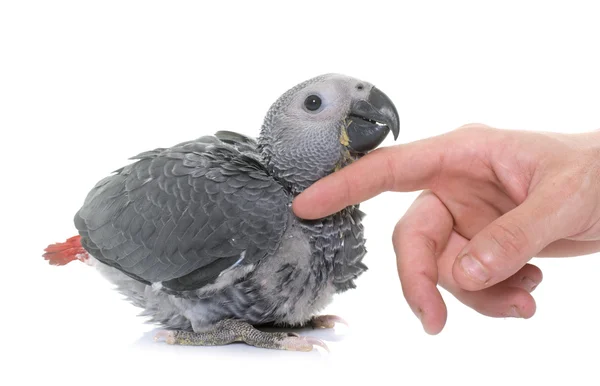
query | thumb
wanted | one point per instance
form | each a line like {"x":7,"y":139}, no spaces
{"x":503,"y":247}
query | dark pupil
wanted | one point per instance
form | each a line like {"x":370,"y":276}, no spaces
{"x":312,"y":103}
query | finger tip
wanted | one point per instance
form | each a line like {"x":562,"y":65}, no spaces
{"x":540,"y":274}
{"x":522,"y":304}
{"x":533,"y":272}
{"x":433,"y":319}
{"x":527,"y":307}
{"x":434,"y":328}
{"x":299,"y":208}
{"x":304,"y":208}
{"x":311,"y":205}
{"x":466,"y":281}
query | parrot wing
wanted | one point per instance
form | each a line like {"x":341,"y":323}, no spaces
{"x":182,"y":216}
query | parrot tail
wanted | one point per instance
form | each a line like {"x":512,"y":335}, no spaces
{"x":64,"y":253}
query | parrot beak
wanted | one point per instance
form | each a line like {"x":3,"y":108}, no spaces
{"x":370,"y":120}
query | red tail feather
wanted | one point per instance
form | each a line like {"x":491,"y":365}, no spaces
{"x":64,"y":253}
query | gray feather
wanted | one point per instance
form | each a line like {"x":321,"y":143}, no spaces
{"x":184,"y":214}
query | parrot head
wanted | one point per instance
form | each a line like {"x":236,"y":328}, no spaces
{"x":322,"y":125}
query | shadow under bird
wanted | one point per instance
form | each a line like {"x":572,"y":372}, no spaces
{"x":202,"y":236}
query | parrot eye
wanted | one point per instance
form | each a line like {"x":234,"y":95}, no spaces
{"x":312,"y":103}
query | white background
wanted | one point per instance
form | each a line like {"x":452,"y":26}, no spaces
{"x":85,"y":85}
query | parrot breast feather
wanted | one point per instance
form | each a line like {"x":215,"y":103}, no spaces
{"x":182,"y":216}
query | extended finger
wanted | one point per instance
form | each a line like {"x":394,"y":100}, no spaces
{"x":407,"y":167}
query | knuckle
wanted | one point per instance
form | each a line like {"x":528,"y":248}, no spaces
{"x":510,"y":239}
{"x":398,"y":230}
{"x":415,"y":228}
{"x":430,"y":244}
{"x":347,"y":188}
{"x":389,"y":180}
{"x":474,"y":127}
{"x":572,"y":184}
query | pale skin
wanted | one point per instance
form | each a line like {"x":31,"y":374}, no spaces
{"x":492,"y":200}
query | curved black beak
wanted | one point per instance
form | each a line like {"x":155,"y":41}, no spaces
{"x":370,"y":121}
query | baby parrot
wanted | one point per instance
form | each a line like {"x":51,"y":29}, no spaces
{"x":202,"y":236}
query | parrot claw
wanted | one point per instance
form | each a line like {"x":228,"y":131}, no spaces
{"x":168,"y":336}
{"x":326,"y":321}
{"x":302,"y":343}
{"x":317,"y":342}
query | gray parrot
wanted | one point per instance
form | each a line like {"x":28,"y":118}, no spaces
{"x":202,"y":236}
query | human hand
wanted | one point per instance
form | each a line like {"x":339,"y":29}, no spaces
{"x":492,"y":199}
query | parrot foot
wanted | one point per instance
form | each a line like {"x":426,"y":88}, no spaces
{"x":326,"y":321}
{"x":230,"y":331}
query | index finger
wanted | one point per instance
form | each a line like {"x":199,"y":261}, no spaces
{"x":408,"y":167}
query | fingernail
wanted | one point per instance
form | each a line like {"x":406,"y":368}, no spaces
{"x":528,"y":284}
{"x":474,"y":269}
{"x":514,"y":312}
